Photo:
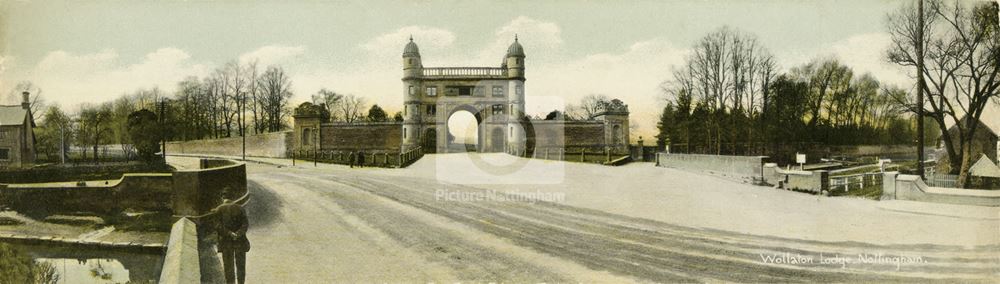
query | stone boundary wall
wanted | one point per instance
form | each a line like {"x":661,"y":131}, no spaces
{"x":809,"y":181}
{"x":184,"y":192}
{"x":911,"y":187}
{"x":747,"y":168}
{"x":136,"y":191}
{"x":366,"y":136}
{"x":873,"y":150}
{"x":182,"y":263}
{"x":270,"y":145}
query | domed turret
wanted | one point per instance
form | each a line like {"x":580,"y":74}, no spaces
{"x":411,"y":49}
{"x":411,"y":60}
{"x":515,"y":49}
{"x":514,"y":61}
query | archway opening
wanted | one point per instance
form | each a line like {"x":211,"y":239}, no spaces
{"x":463,"y":132}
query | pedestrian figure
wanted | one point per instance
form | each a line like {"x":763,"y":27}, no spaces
{"x":353,"y":158}
{"x":361,"y":158}
{"x":232,"y":240}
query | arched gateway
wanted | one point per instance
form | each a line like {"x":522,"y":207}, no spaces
{"x":494,"y":95}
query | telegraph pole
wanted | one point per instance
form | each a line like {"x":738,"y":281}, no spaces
{"x":62,"y":143}
{"x":920,"y":88}
{"x":243,"y":123}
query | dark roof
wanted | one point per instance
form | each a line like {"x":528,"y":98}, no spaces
{"x":982,"y":125}
{"x":12,"y":115}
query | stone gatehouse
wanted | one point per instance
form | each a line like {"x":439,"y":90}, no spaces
{"x":495,"y":96}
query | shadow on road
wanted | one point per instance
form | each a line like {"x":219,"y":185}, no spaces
{"x":264,"y":206}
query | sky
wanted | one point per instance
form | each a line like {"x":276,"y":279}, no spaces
{"x":90,"y":51}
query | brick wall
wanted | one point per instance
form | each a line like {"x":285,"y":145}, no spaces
{"x":569,"y":134}
{"x":367,"y":136}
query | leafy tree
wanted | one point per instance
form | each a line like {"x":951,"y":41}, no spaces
{"x":555,"y":115}
{"x":377,"y":114}
{"x":144,"y":130}
{"x":308,"y":108}
{"x":54,"y":130}
{"x":18,"y":267}
{"x":667,"y":126}
{"x":398,"y":117}
{"x":94,"y":128}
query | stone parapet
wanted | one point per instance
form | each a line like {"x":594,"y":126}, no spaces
{"x":182,"y":263}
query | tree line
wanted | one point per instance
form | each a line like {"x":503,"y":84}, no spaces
{"x":730,"y":98}
{"x":236,"y":99}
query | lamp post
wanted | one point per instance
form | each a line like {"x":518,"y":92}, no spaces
{"x":316,"y":147}
{"x":920,"y":88}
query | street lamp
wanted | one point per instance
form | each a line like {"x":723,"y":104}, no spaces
{"x":316,"y":146}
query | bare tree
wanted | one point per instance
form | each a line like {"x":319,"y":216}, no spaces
{"x":351,"y":108}
{"x":330,"y":100}
{"x":728,"y":70}
{"x":37,"y":103}
{"x":588,"y":107}
{"x":275,"y":87}
{"x":960,"y":47}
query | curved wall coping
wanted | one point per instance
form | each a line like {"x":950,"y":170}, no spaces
{"x":90,"y":183}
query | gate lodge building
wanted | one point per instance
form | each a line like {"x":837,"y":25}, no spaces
{"x":495,"y":96}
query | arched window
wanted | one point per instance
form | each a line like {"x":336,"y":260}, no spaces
{"x":306,"y":136}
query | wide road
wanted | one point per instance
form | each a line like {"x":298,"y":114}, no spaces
{"x":335,"y":224}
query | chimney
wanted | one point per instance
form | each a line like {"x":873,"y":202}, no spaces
{"x":25,"y":102}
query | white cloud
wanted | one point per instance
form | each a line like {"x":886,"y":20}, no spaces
{"x":864,"y":53}
{"x":70,"y":79}
{"x":540,"y":39}
{"x":632,"y":75}
{"x":273,"y":54}
{"x":393,"y":42}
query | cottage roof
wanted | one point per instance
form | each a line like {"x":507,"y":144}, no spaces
{"x":985,"y":167}
{"x":12,"y":115}
{"x":992,"y":126}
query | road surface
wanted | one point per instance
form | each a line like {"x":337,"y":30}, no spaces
{"x":335,"y":224}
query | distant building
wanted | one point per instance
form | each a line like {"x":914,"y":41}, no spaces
{"x":17,"y":135}
{"x":984,"y":142}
